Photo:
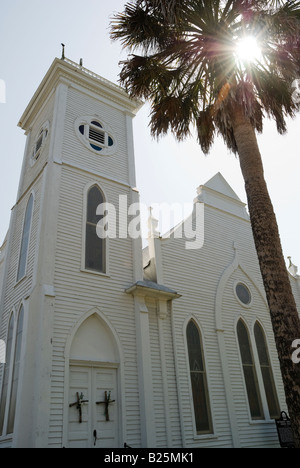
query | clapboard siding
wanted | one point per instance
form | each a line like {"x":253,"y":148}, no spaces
{"x":15,"y":293}
{"x":171,"y":381}
{"x":77,"y":292}
{"x":31,"y":171}
{"x":58,"y":293}
{"x":157,"y":378}
{"x":74,"y":151}
{"x":196,"y":275}
{"x":251,"y":433}
{"x":164,"y":409}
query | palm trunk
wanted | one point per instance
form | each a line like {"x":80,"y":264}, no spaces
{"x":283,"y":310}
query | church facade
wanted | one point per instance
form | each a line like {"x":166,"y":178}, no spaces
{"x":108,"y":343}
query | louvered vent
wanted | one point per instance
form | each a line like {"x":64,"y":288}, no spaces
{"x":97,"y":136}
{"x":39,"y":143}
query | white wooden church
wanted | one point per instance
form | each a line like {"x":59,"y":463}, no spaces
{"x":107,"y":343}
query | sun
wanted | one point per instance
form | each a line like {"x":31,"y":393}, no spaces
{"x":248,"y":49}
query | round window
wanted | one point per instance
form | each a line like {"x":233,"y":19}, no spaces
{"x":95,"y":135}
{"x":243,"y":293}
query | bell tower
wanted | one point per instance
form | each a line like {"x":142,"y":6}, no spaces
{"x":64,"y":286}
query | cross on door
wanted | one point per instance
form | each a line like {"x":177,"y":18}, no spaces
{"x":78,"y":404}
{"x":106,"y":402}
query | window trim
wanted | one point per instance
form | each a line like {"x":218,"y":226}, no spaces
{"x":20,"y":278}
{"x":36,"y":152}
{"x":83,"y":268}
{"x":204,"y":434}
{"x":260,"y":374}
{"x":256,"y":376}
{"x":243,"y":283}
{"x":260,"y":382}
{"x":87,"y":123}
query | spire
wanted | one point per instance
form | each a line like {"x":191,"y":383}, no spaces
{"x":293,"y":269}
{"x":155,"y":270}
{"x":153,"y":225}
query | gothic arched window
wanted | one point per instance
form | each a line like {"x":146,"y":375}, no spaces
{"x":94,"y":245}
{"x":250,"y":375}
{"x":8,"y":402}
{"x":25,"y":239}
{"x":266,"y":370}
{"x":198,"y":380}
{"x":16,"y":372}
{"x":6,"y":373}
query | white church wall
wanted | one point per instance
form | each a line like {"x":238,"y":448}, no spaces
{"x":251,"y":433}
{"x":57,"y":290}
{"x":188,"y":273}
{"x":16,"y":291}
{"x":80,"y":104}
{"x":59,"y":295}
{"x":78,"y":291}
{"x":196,"y":276}
{"x":31,"y":168}
{"x":3,"y":250}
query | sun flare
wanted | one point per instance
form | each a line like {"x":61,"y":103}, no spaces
{"x":248,"y":49}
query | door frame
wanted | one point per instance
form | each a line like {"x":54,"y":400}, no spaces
{"x":93,"y":365}
{"x":116,"y":365}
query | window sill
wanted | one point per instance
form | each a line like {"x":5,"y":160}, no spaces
{"x":201,"y":437}
{"x":262,"y":421}
{"x":95,"y":273}
{"x":6,"y":439}
{"x":20,"y":281}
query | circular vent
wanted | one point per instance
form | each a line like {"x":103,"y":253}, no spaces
{"x":95,"y":135}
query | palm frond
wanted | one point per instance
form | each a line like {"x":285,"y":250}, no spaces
{"x":186,"y":64}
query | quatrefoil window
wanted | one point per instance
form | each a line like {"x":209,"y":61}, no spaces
{"x":95,"y":135}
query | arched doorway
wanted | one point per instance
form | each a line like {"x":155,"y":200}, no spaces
{"x":93,"y":390}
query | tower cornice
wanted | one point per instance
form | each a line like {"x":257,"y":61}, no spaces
{"x":66,"y":71}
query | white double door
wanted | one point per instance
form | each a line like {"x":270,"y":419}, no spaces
{"x":92,"y":423}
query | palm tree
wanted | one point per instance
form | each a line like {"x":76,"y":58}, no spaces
{"x":184,"y":60}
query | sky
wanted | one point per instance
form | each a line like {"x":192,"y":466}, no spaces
{"x":31,"y":33}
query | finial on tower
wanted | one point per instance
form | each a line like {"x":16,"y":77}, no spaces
{"x":293,"y":269}
{"x":153,"y":225}
{"x":63,"y":51}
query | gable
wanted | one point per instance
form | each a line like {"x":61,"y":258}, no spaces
{"x":219,"y":184}
{"x":218,"y":194}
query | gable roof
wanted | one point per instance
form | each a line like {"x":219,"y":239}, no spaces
{"x":218,"y":184}
{"x":218,"y":194}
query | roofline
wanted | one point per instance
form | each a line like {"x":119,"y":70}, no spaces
{"x":149,"y":289}
{"x":62,"y":70}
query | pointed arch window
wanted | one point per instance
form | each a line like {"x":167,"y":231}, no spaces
{"x":250,"y":375}
{"x":266,"y":370}
{"x":6,"y":373}
{"x":94,"y":246}
{"x":8,"y":402}
{"x":198,"y":378}
{"x":16,"y":372}
{"x":25,"y":239}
